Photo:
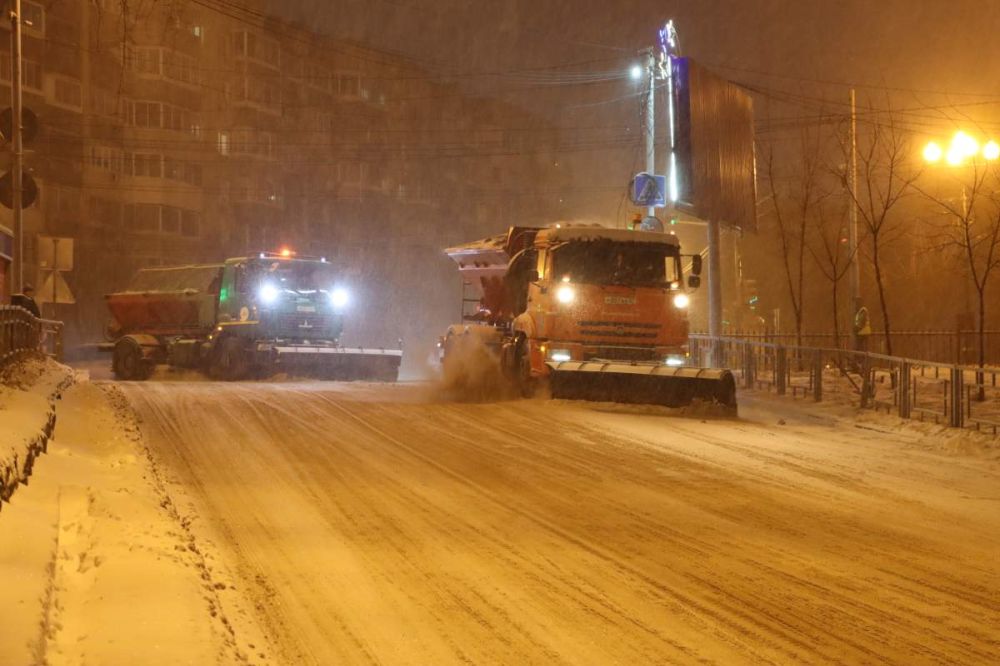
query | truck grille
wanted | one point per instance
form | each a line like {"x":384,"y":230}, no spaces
{"x":301,"y":324}
{"x":622,"y":354}
{"x":620,"y":329}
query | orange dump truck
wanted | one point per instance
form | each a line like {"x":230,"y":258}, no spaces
{"x":597,"y":313}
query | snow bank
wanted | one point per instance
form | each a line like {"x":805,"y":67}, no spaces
{"x":28,"y":391}
{"x":102,"y":564}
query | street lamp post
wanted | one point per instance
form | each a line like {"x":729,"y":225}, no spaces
{"x":964,"y":150}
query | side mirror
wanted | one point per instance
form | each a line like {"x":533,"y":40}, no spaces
{"x":533,"y":275}
{"x":694,"y":281}
{"x":696,"y":264}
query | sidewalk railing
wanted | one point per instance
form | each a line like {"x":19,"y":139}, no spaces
{"x":21,"y":332}
{"x":954,"y":395}
{"x":956,"y":347}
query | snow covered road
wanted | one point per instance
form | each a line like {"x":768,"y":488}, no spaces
{"x":377,"y":524}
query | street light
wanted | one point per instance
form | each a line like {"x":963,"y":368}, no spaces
{"x":962,"y":148}
{"x":635,"y":72}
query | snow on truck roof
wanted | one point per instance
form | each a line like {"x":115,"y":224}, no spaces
{"x":595,"y":232}
{"x":493,"y":250}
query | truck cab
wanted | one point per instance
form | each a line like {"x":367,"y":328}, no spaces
{"x":597,"y":293}
{"x":282,"y":298}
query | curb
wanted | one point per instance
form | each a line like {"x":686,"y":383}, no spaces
{"x":16,"y":472}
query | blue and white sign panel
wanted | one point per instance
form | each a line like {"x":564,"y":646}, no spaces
{"x":649,"y":190}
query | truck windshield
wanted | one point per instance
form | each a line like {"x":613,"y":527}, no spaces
{"x":617,"y":263}
{"x":294,"y":275}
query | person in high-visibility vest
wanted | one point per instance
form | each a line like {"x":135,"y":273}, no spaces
{"x":862,"y":328}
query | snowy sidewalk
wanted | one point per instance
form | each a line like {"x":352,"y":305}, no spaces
{"x":99,"y":566}
{"x":27,"y":416}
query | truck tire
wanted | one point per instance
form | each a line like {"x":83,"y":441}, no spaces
{"x":518,"y":368}
{"x":231,"y":362}
{"x":128,"y":362}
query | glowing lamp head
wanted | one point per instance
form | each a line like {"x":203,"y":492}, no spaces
{"x":964,"y":145}
{"x":933,"y":153}
{"x":340,"y":297}
{"x":681,"y":301}
{"x":991,"y":151}
{"x":954,"y":157}
{"x":635,"y":73}
{"x":565,"y":294}
{"x":268,"y":293}
{"x":285,"y":252}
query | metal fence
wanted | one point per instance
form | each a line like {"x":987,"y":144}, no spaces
{"x":955,"y":395}
{"x":22,"y":333}
{"x":957,"y":347}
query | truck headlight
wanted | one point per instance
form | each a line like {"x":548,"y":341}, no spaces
{"x":565,"y":294}
{"x":268,"y":293}
{"x":681,"y":301}
{"x":340,"y":297}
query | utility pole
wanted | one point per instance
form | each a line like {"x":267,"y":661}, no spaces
{"x":18,"y":156}
{"x":651,"y":121}
{"x":855,"y":268}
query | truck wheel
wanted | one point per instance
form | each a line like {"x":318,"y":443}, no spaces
{"x":520,"y":370}
{"x":231,"y":362}
{"x":128,"y":362}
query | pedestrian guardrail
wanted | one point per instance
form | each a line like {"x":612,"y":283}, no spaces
{"x":955,"y":395}
{"x":23,"y":333}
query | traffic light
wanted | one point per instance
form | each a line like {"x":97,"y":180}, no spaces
{"x":29,"y":128}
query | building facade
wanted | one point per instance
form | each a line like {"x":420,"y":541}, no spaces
{"x":179,"y":134}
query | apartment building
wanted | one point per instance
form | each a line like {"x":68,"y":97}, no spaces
{"x":178,"y":133}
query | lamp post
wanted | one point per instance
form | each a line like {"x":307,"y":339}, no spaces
{"x":964,"y":150}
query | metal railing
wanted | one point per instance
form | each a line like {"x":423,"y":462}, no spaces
{"x":956,"y":395}
{"x":957,"y":347}
{"x":23,"y":333}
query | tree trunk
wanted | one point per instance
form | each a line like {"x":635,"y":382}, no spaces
{"x":876,"y":264}
{"x":836,"y":317}
{"x":980,"y":377}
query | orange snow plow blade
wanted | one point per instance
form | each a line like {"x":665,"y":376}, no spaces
{"x":641,"y":383}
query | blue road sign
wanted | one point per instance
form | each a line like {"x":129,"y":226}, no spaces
{"x":649,"y":190}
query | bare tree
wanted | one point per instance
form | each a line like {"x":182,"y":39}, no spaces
{"x":885,"y":177}
{"x":832,"y":256}
{"x":794,"y":207}
{"x":971,"y":230}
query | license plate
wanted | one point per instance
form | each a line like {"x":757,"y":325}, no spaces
{"x":619,"y":300}
{"x":306,"y":308}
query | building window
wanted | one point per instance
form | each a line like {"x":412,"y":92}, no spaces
{"x":190,"y":226}
{"x":33,"y":17}
{"x":181,"y":68}
{"x":67,"y":92}
{"x":147,"y":165}
{"x":146,"y":114}
{"x":170,"y":220}
{"x":31,"y":74}
{"x":223,"y":143}
{"x":349,"y":85}
{"x":145,"y":61}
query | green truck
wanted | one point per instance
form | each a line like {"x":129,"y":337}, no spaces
{"x":245,"y":318}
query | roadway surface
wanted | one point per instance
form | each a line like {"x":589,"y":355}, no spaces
{"x":381,"y":524}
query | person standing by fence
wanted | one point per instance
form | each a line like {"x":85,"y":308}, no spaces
{"x":26,"y":300}
{"x":862,"y":329}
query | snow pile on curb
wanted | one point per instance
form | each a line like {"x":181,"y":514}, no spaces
{"x":28,"y":391}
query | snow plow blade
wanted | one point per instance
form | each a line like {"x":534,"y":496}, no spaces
{"x":641,"y":383}
{"x":344,"y":363}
